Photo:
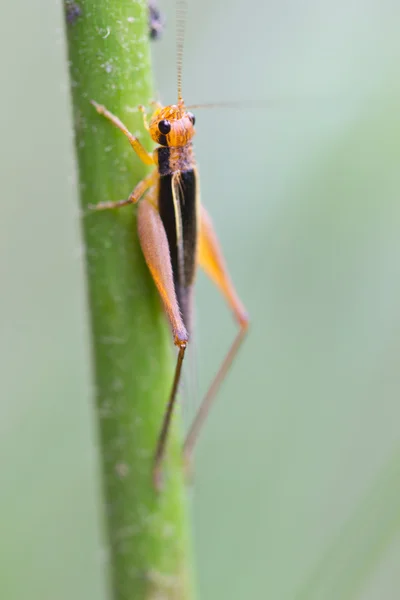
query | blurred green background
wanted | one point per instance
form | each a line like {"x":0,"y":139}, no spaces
{"x":297,"y":487}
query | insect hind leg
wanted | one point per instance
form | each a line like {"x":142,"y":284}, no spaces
{"x":154,"y":244}
{"x":212,"y":262}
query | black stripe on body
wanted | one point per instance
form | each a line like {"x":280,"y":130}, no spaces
{"x":162,"y":139}
{"x":163,"y":160}
{"x":183,"y":255}
{"x":171,"y":160}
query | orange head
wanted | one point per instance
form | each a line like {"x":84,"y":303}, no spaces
{"x":172,"y":126}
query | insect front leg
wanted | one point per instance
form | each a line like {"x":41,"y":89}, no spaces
{"x":154,"y":244}
{"x":142,"y":109}
{"x":142,"y":153}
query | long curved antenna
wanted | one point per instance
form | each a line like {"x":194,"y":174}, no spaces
{"x":278,"y":101}
{"x":218,"y":105}
{"x":257,"y":105}
{"x":244,"y":103}
{"x":181,"y":12}
{"x":260,"y":104}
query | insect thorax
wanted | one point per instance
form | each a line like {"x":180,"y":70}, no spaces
{"x":171,"y":159}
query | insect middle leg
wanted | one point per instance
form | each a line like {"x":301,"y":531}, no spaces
{"x":154,"y":243}
{"x":137,"y":193}
{"x":212,"y":262}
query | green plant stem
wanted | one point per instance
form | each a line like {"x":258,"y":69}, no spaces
{"x":148,"y":531}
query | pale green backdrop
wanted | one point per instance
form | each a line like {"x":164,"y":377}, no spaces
{"x":297,"y":487}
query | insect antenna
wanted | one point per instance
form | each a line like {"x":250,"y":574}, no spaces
{"x":275,"y":101}
{"x":181,"y":12}
{"x":218,"y":105}
{"x":255,"y":104}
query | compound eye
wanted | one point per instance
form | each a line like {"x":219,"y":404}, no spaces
{"x":164,"y":126}
{"x":191,"y":117}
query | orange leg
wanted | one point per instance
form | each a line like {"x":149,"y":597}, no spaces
{"x":142,"y":109}
{"x":137,"y":193}
{"x":157,"y":106}
{"x":144,"y":156}
{"x":154,"y":243}
{"x":212,"y":261}
{"x":142,"y":153}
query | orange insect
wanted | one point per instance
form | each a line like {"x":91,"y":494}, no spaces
{"x":176,"y":236}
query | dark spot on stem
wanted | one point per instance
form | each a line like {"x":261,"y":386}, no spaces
{"x":72,"y":12}
{"x":156,"y":20}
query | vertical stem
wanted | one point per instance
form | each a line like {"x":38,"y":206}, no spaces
{"x":108,"y":43}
